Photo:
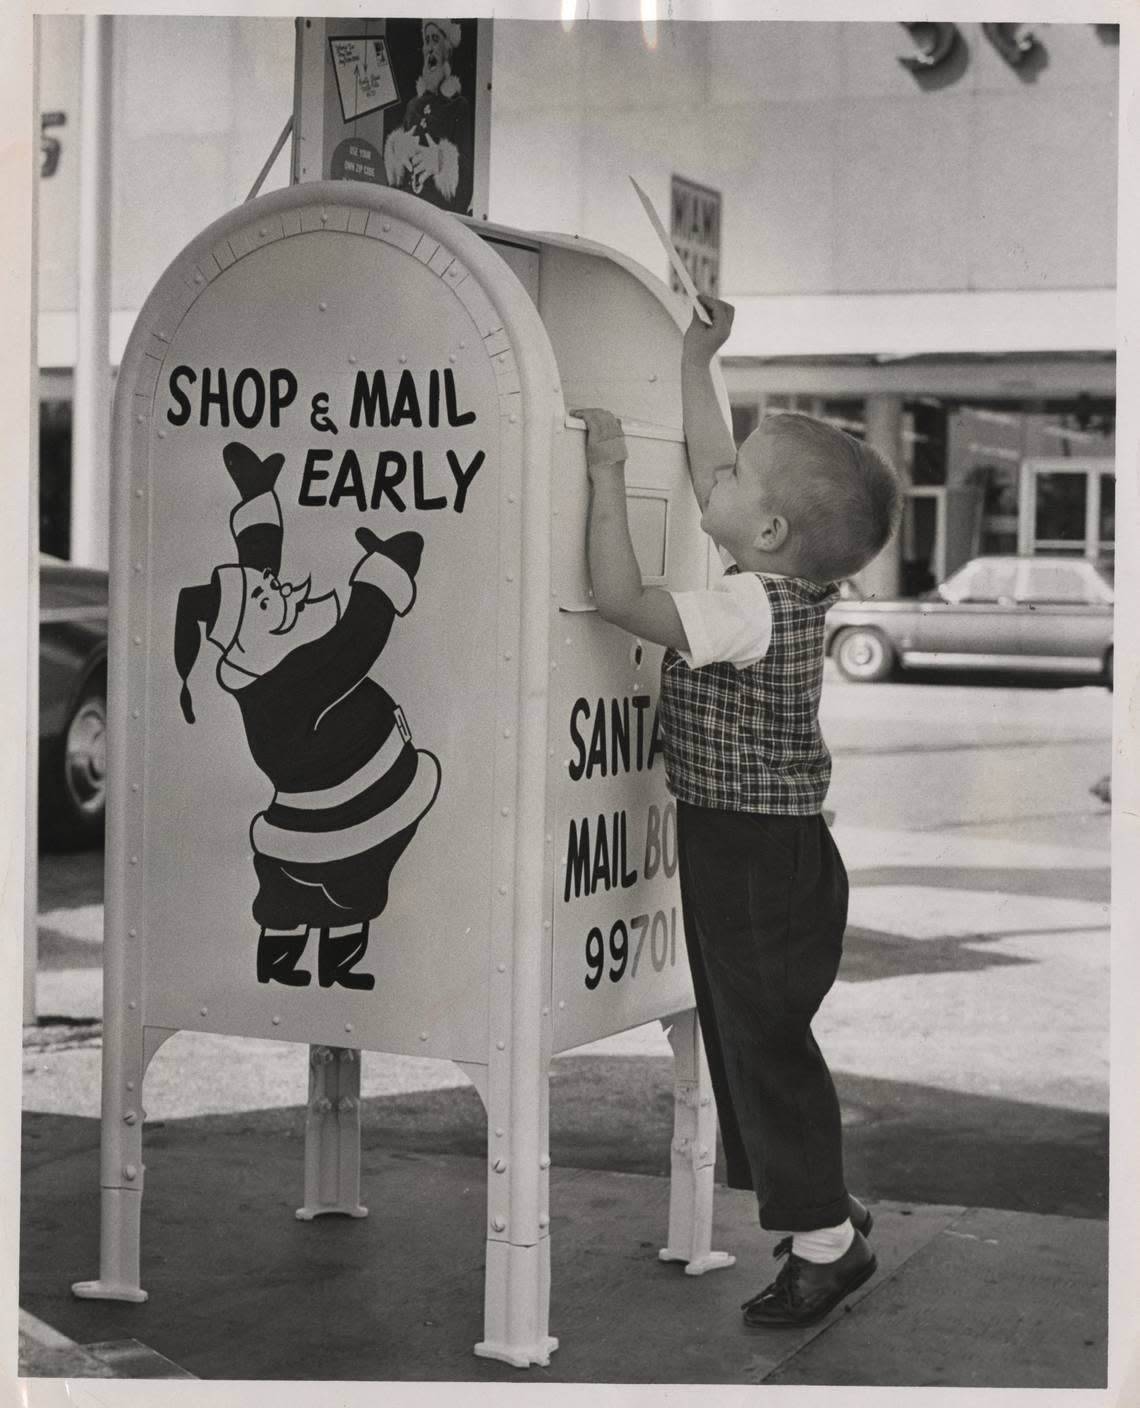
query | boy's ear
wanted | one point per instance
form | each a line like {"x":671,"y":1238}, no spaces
{"x":772,"y":533}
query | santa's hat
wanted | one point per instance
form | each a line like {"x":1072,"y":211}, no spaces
{"x":448,"y":28}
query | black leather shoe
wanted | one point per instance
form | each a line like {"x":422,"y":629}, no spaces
{"x":861,"y":1218}
{"x":804,"y":1292}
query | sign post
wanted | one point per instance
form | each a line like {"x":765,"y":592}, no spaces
{"x":383,"y":779}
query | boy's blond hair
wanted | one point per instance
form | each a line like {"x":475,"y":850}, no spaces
{"x":843,"y":498}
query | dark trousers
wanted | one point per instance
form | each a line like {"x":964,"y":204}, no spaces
{"x":765,"y":905}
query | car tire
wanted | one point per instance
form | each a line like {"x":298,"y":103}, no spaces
{"x":73,"y":775}
{"x":864,"y":655}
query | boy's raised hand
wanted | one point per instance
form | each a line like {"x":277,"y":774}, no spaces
{"x":702,"y":341}
{"x":605,"y":443}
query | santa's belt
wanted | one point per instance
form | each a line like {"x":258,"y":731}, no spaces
{"x":319,"y":847}
{"x":381,"y":762}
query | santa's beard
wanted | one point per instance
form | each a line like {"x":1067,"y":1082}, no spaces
{"x":308,"y":619}
{"x":436,"y":69}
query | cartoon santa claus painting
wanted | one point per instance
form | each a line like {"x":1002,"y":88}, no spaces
{"x":349,"y":787}
{"x":431,"y":152}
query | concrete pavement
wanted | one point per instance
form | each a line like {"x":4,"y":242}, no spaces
{"x":972,"y":1003}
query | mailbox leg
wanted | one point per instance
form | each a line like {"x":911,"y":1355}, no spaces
{"x":516,"y":1298}
{"x":693,"y":1153}
{"x":332,"y":1134}
{"x":126,"y":1054}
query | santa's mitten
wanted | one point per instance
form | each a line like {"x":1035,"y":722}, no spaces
{"x":251,"y":476}
{"x":391,"y":565}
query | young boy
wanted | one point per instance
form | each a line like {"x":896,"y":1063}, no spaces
{"x":763,"y":888}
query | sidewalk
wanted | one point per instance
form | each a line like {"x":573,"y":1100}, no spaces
{"x":240,"y":1289}
{"x":967,"y":1296}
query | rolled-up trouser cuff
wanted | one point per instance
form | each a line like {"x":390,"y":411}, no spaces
{"x":805,"y":1219}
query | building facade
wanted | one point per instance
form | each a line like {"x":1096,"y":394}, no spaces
{"x":917,"y":226}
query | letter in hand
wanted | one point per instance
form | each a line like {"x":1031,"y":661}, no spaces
{"x":605,"y":443}
{"x":704,"y":342}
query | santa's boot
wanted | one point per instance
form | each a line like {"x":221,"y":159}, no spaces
{"x":278,"y":951}
{"x":340,"y":951}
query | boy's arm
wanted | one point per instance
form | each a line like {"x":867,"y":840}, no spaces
{"x":707,"y":436}
{"x":648,"y":612}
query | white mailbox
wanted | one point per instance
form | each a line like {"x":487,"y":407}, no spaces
{"x":381,"y":777}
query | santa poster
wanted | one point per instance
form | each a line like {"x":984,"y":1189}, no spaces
{"x":400,"y":102}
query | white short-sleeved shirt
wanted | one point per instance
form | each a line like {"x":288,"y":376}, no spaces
{"x":730,"y":621}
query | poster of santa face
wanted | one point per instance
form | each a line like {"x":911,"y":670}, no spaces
{"x":400,"y":102}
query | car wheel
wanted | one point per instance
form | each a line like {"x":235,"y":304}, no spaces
{"x":73,"y":779}
{"x":863,"y":655}
{"x":1108,"y":669}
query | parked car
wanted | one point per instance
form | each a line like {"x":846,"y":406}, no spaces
{"x":1045,"y":614}
{"x":73,"y":704}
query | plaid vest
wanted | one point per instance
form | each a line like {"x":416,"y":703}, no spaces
{"x":749,"y":740}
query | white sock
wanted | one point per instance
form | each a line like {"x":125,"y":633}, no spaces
{"x":823,"y":1244}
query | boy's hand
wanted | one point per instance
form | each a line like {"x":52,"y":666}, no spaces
{"x":704,"y":342}
{"x":605,"y":443}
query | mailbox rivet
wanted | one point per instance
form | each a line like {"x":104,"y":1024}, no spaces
{"x":132,"y":1004}
{"x":704,"y":1153}
{"x":138,"y":493}
{"x":569,"y":641}
{"x":544,"y":1162}
{"x":134,"y":860}
{"x":348,"y":1026}
{"x":510,"y":576}
{"x":506,"y":811}
{"x":546,"y":923}
{"x":138,"y":566}
{"x":352,"y":358}
{"x":134,"y":713}
{"x":138,"y":640}
{"x":513,"y":419}
{"x":498,"y":1134}
{"x":204,"y":1011}
{"x":704,"y":1099}
{"x":140,"y":418}
{"x":130,"y":1172}
{"x":387,"y":225}
{"x":462,"y":345}
{"x":506,"y":654}
{"x":199,"y":278}
{"x":562,"y":1006}
{"x":500,"y":1165}
{"x":506,"y":733}
{"x":452,"y":358}
{"x":133,"y":933}
{"x":502,"y":967}
{"x":510,"y":498}
{"x":130,"y":1085}
{"x":546,"y":1011}
{"x":652,"y":376}
{"x":324,"y":218}
{"x":499,"y":1224}
{"x":323,"y":307}
{"x":130,"y":1117}
{"x":277,"y":1021}
{"x":502,"y":889}
{"x":134,"y":787}
{"x":549,"y":837}
{"x":261,"y":231}
{"x":501,"y":1045}
{"x":403,"y":358}
{"x":162,"y":434}
{"x":423,"y":1036}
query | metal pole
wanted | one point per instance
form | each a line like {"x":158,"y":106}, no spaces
{"x":273,"y":155}
{"x":90,"y":455}
{"x":31,"y":790}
